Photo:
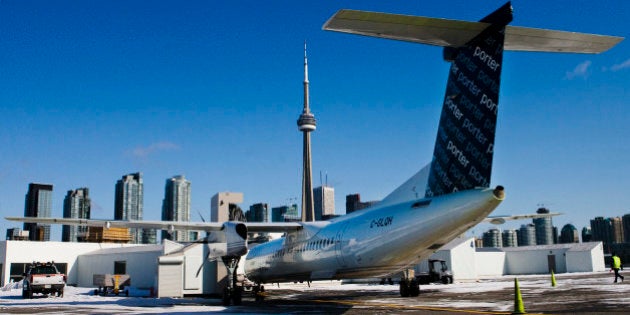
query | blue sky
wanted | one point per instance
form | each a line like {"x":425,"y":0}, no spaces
{"x":93,"y":90}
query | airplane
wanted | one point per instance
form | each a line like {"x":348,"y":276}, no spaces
{"x":437,"y":204}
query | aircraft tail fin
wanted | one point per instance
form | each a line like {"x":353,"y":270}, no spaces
{"x":462,"y":158}
{"x":463,"y":153}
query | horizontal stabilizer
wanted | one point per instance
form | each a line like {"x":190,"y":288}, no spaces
{"x":500,"y":219}
{"x":456,"y":33}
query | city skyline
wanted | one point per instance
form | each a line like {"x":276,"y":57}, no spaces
{"x":77,"y":205}
{"x":173,"y":92}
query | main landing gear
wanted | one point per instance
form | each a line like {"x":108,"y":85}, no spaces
{"x":232,"y":292}
{"x":409,"y":286}
{"x":259,"y":292}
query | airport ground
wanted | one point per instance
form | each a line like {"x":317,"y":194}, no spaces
{"x":582,"y":293}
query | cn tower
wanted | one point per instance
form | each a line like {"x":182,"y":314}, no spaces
{"x":307,"y":123}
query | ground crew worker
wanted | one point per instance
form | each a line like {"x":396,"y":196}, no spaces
{"x":616,"y":265}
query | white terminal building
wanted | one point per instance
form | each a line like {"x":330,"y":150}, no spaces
{"x":467,"y":262}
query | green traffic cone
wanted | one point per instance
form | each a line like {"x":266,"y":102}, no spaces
{"x":553,"y":279}
{"x":519,"y":308}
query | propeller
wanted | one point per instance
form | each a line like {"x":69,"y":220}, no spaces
{"x":205,"y":260}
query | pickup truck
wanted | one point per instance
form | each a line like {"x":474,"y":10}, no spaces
{"x":42,"y":278}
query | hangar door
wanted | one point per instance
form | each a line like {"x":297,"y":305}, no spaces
{"x":171,"y":276}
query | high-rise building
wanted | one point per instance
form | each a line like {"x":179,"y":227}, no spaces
{"x":258,"y":212}
{"x":176,"y":206}
{"x":617,"y":230}
{"x":324,"y":197}
{"x":306,"y":124}
{"x":544,"y":228}
{"x":569,"y":234}
{"x":354,"y":203}
{"x":128,"y":202}
{"x":509,"y":238}
{"x":224,"y":207}
{"x":587,"y":235}
{"x":600,"y":230}
{"x":609,"y":231}
{"x":625,"y":220}
{"x":76,"y":205}
{"x":527,"y":235}
{"x":38,"y":204}
{"x":492,"y":238}
{"x":285,"y":214}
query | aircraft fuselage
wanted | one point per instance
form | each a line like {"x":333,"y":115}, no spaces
{"x":370,"y":243}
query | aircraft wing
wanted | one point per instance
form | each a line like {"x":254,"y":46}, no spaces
{"x":163,"y":225}
{"x":500,"y":219}
{"x":456,"y":33}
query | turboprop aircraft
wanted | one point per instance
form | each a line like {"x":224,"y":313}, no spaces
{"x":443,"y":200}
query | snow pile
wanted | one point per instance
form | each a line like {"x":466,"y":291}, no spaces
{"x":79,"y":300}
{"x":12,"y":286}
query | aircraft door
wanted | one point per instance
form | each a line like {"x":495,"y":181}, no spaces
{"x":340,"y":244}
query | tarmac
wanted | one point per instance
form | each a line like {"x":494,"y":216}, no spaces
{"x":574,"y":293}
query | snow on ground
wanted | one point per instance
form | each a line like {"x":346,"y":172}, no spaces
{"x":84,"y":299}
{"x":462,"y":294}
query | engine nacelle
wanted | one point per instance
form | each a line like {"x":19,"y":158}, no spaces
{"x":230,"y":241}
{"x":236,"y":238}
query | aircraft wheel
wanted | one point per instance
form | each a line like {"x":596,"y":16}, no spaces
{"x":414,"y":288}
{"x":259,"y":293}
{"x":404,"y":288}
{"x":237,"y":295}
{"x":226,"y":297}
{"x":447,"y":280}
